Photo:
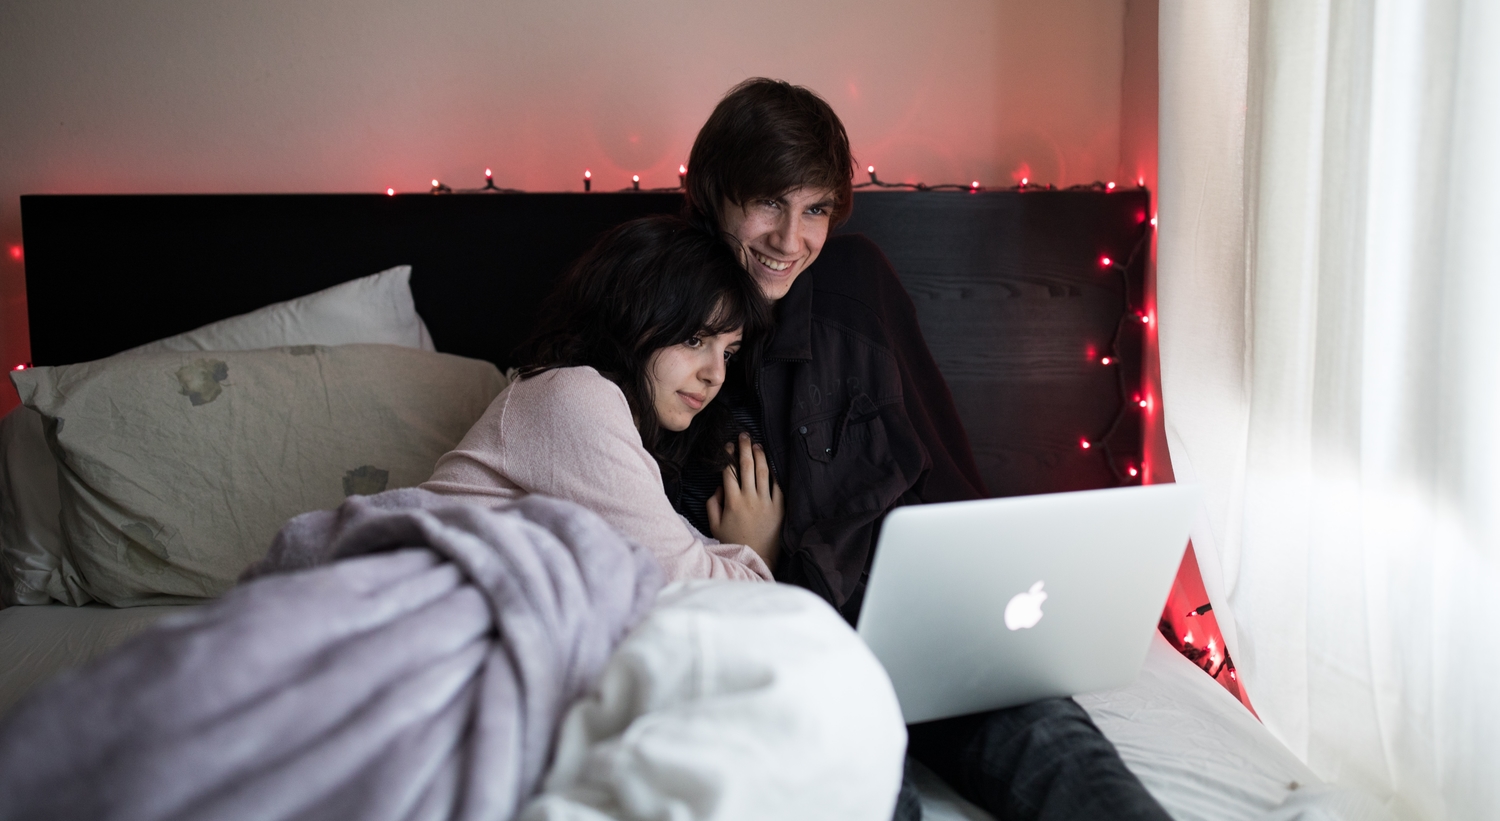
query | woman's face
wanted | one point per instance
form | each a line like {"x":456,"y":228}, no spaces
{"x":687,"y":376}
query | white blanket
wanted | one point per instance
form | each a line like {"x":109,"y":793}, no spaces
{"x":732,"y":700}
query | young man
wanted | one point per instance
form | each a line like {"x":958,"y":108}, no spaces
{"x":857,"y":419}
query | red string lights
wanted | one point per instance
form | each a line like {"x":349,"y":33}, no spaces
{"x":1125,"y":472}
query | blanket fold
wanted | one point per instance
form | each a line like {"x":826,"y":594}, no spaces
{"x":405,"y":656}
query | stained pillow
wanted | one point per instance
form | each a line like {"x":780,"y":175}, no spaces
{"x":176,"y":469}
{"x":34,"y":568}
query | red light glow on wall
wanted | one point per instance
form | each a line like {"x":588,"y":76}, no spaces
{"x":16,"y":253}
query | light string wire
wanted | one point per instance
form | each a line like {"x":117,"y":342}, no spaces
{"x":1128,"y":314}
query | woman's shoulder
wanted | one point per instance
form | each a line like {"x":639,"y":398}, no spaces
{"x":577,"y":381}
{"x":575,"y":393}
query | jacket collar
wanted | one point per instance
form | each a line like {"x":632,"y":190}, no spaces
{"x":792,"y":339}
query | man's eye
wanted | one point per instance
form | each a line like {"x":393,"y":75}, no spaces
{"x":817,"y":210}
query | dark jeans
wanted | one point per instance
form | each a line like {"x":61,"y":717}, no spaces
{"x":1045,"y":760}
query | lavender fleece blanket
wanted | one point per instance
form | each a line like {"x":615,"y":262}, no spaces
{"x":402,"y":657}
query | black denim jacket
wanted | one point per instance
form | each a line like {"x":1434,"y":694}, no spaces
{"x":858,"y":418}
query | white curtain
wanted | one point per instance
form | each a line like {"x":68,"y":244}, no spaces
{"x":1328,"y":294}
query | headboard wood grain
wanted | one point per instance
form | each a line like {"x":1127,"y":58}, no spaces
{"x":1008,"y":288}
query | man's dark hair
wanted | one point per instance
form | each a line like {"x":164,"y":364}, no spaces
{"x":765,"y":138}
{"x":648,"y":284}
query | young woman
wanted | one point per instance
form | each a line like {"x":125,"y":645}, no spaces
{"x":617,"y":389}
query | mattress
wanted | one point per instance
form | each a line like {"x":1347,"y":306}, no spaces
{"x":38,"y":641}
{"x":1195,"y":747}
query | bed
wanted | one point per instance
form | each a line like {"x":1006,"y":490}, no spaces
{"x":1021,"y":295}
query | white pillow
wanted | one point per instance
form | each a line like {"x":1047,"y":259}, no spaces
{"x":176,"y":469}
{"x":34,"y":568}
{"x":372,"y":310}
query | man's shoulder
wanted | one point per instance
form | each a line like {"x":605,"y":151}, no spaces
{"x":857,"y":285}
{"x":852,"y":263}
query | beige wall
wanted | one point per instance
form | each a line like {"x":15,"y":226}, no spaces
{"x":337,"y":95}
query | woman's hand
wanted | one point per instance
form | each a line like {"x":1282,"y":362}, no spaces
{"x":747,"y":510}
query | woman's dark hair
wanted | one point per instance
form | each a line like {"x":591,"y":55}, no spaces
{"x":765,"y":138}
{"x":645,"y":285}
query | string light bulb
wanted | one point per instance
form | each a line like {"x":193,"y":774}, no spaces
{"x":1025,"y":181}
{"x":489,"y":181}
{"x":870,"y":169}
{"x":588,"y":180}
{"x":635,"y":182}
{"x":1105,"y":360}
{"x":390,"y":192}
{"x":682,"y":176}
{"x":1085,"y":444}
{"x":1105,"y":262}
{"x":1132,"y":471}
{"x":439,"y":188}
{"x":1109,"y":186}
{"x":974,"y":186}
{"x":21,"y":367}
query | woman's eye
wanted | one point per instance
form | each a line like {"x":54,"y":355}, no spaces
{"x":730,"y":355}
{"x":693,"y":341}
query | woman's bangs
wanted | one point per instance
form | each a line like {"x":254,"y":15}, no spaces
{"x":728,"y":315}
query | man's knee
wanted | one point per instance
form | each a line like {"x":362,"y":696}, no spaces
{"x":1052,"y":730}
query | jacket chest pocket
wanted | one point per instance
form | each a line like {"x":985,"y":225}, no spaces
{"x":859,"y":429}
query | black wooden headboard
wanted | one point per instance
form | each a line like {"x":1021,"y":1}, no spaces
{"x":1009,"y":287}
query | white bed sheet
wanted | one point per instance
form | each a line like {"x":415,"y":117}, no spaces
{"x":1196,"y":748}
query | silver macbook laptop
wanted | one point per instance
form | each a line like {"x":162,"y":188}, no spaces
{"x":979,"y":605}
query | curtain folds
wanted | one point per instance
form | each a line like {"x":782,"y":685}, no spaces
{"x":1328,"y":275}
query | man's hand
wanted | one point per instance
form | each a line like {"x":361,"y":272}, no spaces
{"x":748,"y":508}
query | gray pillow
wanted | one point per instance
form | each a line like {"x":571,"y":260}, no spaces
{"x":34,"y":568}
{"x":176,"y":469}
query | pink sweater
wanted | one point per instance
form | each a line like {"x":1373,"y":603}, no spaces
{"x":568,"y":433}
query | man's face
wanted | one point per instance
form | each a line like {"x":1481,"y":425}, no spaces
{"x":781,"y":235}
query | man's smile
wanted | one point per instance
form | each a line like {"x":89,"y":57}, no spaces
{"x":774,"y":265}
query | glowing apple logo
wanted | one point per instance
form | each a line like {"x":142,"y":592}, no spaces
{"x":1025,"y":609}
